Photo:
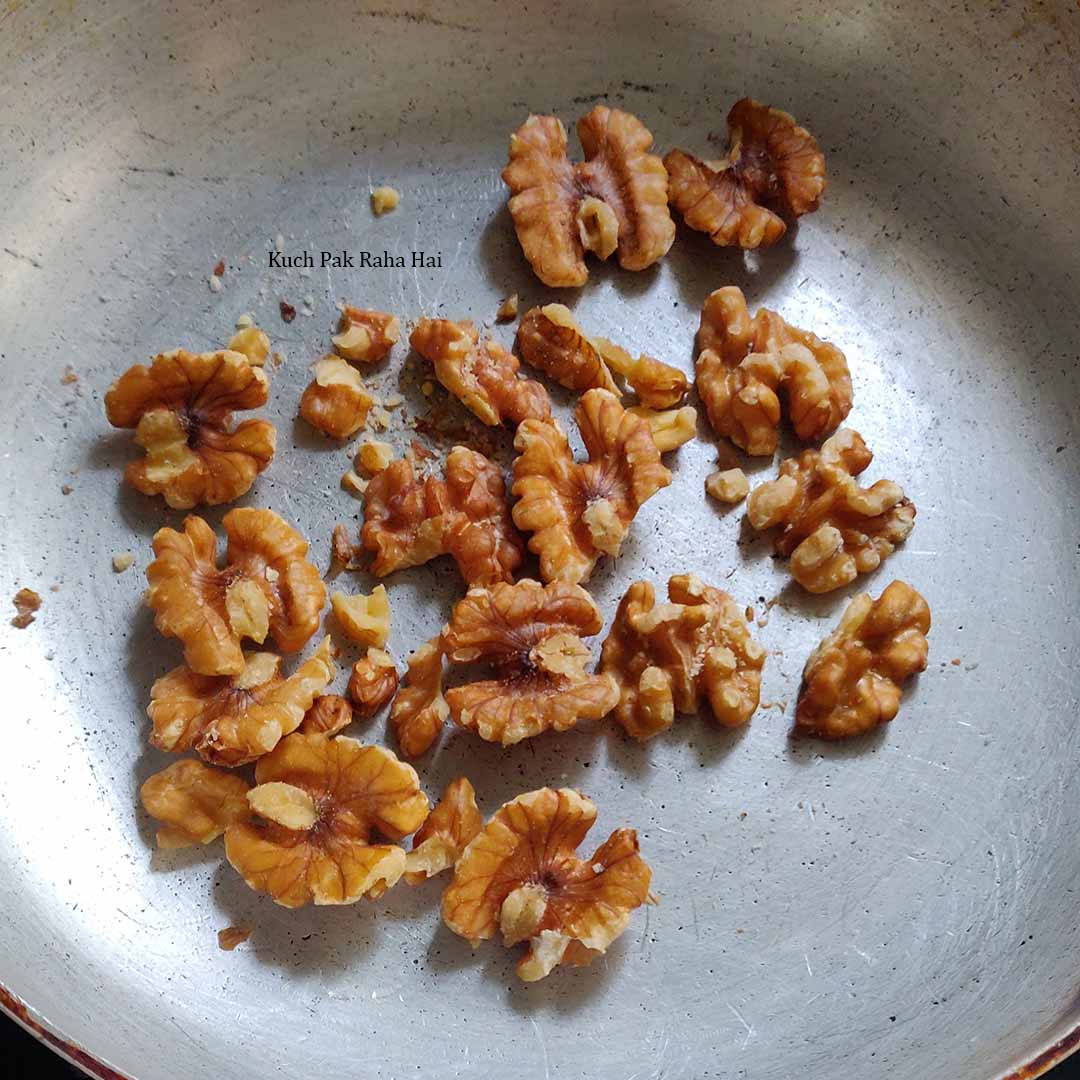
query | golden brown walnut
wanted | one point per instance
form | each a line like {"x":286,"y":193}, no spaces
{"x":614,"y":201}
{"x":666,"y":657}
{"x":771,"y":164}
{"x":851,"y":682}
{"x":727,"y":485}
{"x":317,"y":804}
{"x":483,"y":376}
{"x":232,"y":936}
{"x":366,"y":336}
{"x":671,"y":428}
{"x":194,"y":803}
{"x":26,"y":602}
{"x":343,"y":552}
{"x":420,"y":710}
{"x":521,"y":875}
{"x":657,"y":385}
{"x":232,"y":719}
{"x":181,"y":409}
{"x":267,"y":586}
{"x":578,"y":512}
{"x":832,"y":529}
{"x":746,"y":364}
{"x":329,"y":714}
{"x":373,"y":682}
{"x":531,"y":635}
{"x":336,"y":402}
{"x":551,"y":341}
{"x":439,"y":842}
{"x":365,"y":619}
{"x":253,"y":343}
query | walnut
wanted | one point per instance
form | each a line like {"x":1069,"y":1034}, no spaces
{"x":373,"y":682}
{"x":420,"y":710}
{"x":727,"y":486}
{"x":745,"y":364}
{"x":551,"y":341}
{"x":26,"y":602}
{"x":521,"y":875}
{"x":266,"y":587}
{"x":576,"y":512}
{"x":851,"y":682}
{"x":657,"y":385}
{"x":181,"y":409}
{"x":253,"y":343}
{"x":317,"y":804}
{"x":336,"y":402}
{"x":666,"y":657}
{"x":365,"y":619}
{"x":194,"y":803}
{"x":366,"y":336}
{"x":439,"y":842}
{"x":384,"y":199}
{"x":531,"y":635}
{"x":231,"y":936}
{"x":508,"y":309}
{"x":124,"y":561}
{"x":483,"y":376}
{"x":232,"y":719}
{"x":670,"y":428}
{"x":833,"y":529}
{"x":374,"y":456}
{"x":614,"y":201}
{"x":329,"y":714}
{"x":771,"y":163}
{"x":343,"y":552}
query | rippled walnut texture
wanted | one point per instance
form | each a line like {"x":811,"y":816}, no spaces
{"x":439,"y":842}
{"x":366,"y":337}
{"x":194,"y":802}
{"x":373,"y":683}
{"x":336,"y":402}
{"x":420,"y":710}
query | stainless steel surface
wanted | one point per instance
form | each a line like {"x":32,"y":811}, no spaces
{"x":899,"y":907}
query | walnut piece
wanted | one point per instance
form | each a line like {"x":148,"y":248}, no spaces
{"x":181,"y":409}
{"x":336,"y":402}
{"x":551,"y":341}
{"x":439,"y":842}
{"x":26,"y":603}
{"x":384,"y":199}
{"x":614,"y":201}
{"x":772,"y":164}
{"x":318,"y":802}
{"x":373,"y":682}
{"x":267,"y":586}
{"x":577,"y":512}
{"x":420,"y":710}
{"x":329,"y":714}
{"x":483,"y":376}
{"x":531,"y":635}
{"x":364,"y":336}
{"x":832,"y":529}
{"x":253,"y":343}
{"x":727,"y":485}
{"x":666,"y":657}
{"x":194,"y":803}
{"x":657,"y":385}
{"x":508,"y":309}
{"x":851,"y":682}
{"x":231,"y":936}
{"x":364,"y":619}
{"x":374,"y":456}
{"x":671,"y":428}
{"x":521,"y":875}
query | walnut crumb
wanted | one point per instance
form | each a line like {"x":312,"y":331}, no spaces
{"x":353,"y":484}
{"x":232,"y":936}
{"x":508,"y":309}
{"x":427,"y":388}
{"x":384,"y":199}
{"x":728,"y":486}
{"x":122,"y":562}
{"x":26,"y":602}
{"x":288,"y":312}
{"x":69,"y":376}
{"x":374,"y":456}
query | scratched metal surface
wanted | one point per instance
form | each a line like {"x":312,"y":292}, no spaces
{"x":901,"y":906}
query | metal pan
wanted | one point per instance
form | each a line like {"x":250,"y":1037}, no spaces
{"x":902,"y":906}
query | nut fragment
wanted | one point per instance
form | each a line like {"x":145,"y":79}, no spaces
{"x":373,"y":682}
{"x":231,"y":936}
{"x":253,"y":343}
{"x":366,"y":336}
{"x":319,"y":800}
{"x":833,"y":529}
{"x":439,"y":842}
{"x":508,"y":309}
{"x":521,"y":874}
{"x":728,"y":485}
{"x":26,"y":602}
{"x":365,"y":619}
{"x":551,"y":341}
{"x":670,"y":428}
{"x":329,"y":714}
{"x":181,"y":409}
{"x":531,"y":635}
{"x":188,"y":592}
{"x":353,"y":484}
{"x":420,"y":710}
{"x":194,"y":803}
{"x":658,"y":385}
{"x":336,"y":402}
{"x":554,"y":492}
{"x":122,"y":562}
{"x":616,"y":200}
{"x":851,"y":682}
{"x":384,"y":199}
{"x":374,"y":455}
{"x":666,"y":657}
{"x":771,"y":163}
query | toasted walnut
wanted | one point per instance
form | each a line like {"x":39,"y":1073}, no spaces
{"x":851,"y":682}
{"x":616,"y":200}
{"x":658,"y":385}
{"x":833,"y":529}
{"x":266,"y":587}
{"x":551,"y":341}
{"x":559,"y":499}
{"x":366,"y":336}
{"x":194,"y":803}
{"x":231,"y":936}
{"x":373,"y":682}
{"x":181,"y":409}
{"x":508,"y":309}
{"x":728,"y":485}
{"x":670,"y":428}
{"x":666,"y":657}
{"x":365,"y":619}
{"x":531,"y":634}
{"x":439,"y":842}
{"x":355,"y":485}
{"x":26,"y":602}
{"x":233,"y":719}
{"x":521,"y":875}
{"x":336,"y":402}
{"x":343,"y":552}
{"x":420,"y":710}
{"x":384,"y":199}
{"x":771,"y":163}
{"x":329,"y":714}
{"x":483,"y":376}
{"x":374,"y":456}
{"x":318,"y":802}
{"x":253,"y":343}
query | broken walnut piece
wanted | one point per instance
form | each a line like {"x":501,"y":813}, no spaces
{"x":181,"y":409}
{"x":727,"y":485}
{"x":657,"y":385}
{"x":851,"y":682}
{"x":439,"y":842}
{"x":194,"y":802}
{"x":613,"y":202}
{"x":483,"y":376}
{"x":384,"y":199}
{"x":373,"y":682}
{"x":832,"y":529}
{"x":531,"y":635}
{"x":551,"y":341}
{"x":403,"y":524}
{"x":316,"y":807}
{"x":578,"y":512}
{"x":336,"y":402}
{"x":508,"y":309}
{"x":771,"y":164}
{"x":374,"y":456}
{"x":420,"y":710}
{"x":365,"y":619}
{"x":26,"y":602}
{"x":253,"y":343}
{"x":232,"y":936}
{"x":329,"y":714}
{"x":266,"y":587}
{"x":521,"y":874}
{"x":366,"y":337}
{"x":671,"y":428}
{"x":665,"y":658}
